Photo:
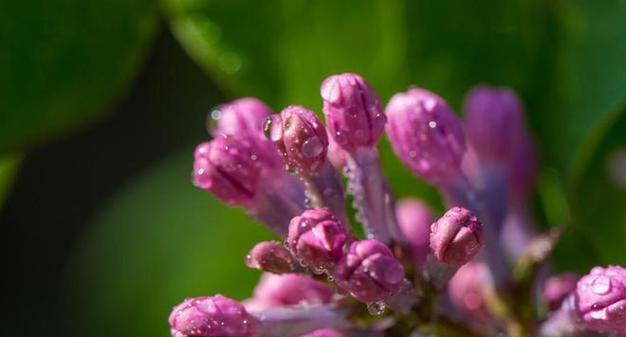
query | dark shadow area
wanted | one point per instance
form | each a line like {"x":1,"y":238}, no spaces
{"x":61,"y":184}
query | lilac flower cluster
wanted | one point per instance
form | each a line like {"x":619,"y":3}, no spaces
{"x":477,"y":270}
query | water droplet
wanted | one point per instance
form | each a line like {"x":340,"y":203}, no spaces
{"x":253,"y":157}
{"x":601,"y":285}
{"x":312,"y":147}
{"x":376,"y":308}
{"x":432,"y":124}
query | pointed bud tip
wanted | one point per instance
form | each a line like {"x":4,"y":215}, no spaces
{"x":211,"y":317}
{"x":353,"y":112}
{"x":600,"y":299}
{"x":426,"y":135}
{"x":456,"y":237}
{"x":369,"y":271}
{"x":317,"y":238}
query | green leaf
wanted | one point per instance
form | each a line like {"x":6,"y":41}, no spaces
{"x":586,"y":93}
{"x":159,"y":241}
{"x":599,"y":215}
{"x":8,"y":167}
{"x":64,"y":62}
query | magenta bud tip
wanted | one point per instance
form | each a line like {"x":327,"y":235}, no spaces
{"x":353,"y":112}
{"x":369,"y":271}
{"x":215,"y":316}
{"x":456,"y":237}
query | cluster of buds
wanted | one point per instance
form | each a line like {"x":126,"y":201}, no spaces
{"x":473,"y":271}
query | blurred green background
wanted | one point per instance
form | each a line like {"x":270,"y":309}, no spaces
{"x":102,"y":101}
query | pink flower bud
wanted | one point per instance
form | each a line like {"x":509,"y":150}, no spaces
{"x":426,"y":135}
{"x":215,"y":316}
{"x":414,"y":219}
{"x":336,"y":155}
{"x":244,"y":116}
{"x":600,"y":299}
{"x":317,"y":238}
{"x":353,"y":111}
{"x":272,"y":257}
{"x":230,"y":168}
{"x":324,"y":333}
{"x":300,"y":136}
{"x":466,"y":289}
{"x":288,"y":290}
{"x":369,"y":271}
{"x":557,"y":288}
{"x":456,"y":237}
{"x":493,"y":119}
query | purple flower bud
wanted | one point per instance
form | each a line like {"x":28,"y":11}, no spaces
{"x":369,"y":271}
{"x":456,"y":237}
{"x":353,"y":111}
{"x":426,"y":135}
{"x":244,"y":116}
{"x":300,"y":136}
{"x":336,"y":155}
{"x":466,"y":290}
{"x":317,"y":238}
{"x":215,"y":316}
{"x":288,"y":290}
{"x":557,"y":288}
{"x":324,"y":333}
{"x":272,"y":257}
{"x":600,"y":299}
{"x":493,"y":120}
{"x":414,"y":220}
{"x":230,"y":168}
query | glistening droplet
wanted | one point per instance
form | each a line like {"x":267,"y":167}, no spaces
{"x":312,"y":147}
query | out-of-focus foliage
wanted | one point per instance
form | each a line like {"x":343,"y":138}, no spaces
{"x":599,"y":203}
{"x":65,"y":62}
{"x":160,"y":241}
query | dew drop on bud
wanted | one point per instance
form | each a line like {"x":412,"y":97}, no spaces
{"x":212,"y":118}
{"x":312,"y":147}
{"x":376,"y":308}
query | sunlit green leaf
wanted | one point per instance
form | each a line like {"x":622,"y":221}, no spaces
{"x":585,"y":92}
{"x":65,"y":62}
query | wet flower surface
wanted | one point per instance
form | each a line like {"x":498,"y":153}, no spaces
{"x":478,"y":269}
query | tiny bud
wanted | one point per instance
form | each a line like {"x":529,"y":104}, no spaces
{"x":466,"y":290}
{"x":426,"y":135}
{"x":456,"y":237}
{"x":215,"y":316}
{"x":324,"y":333}
{"x":317,"y":238}
{"x":369,"y":271}
{"x":272,"y":257}
{"x":493,"y":120}
{"x":289,"y":290}
{"x":600,"y":299}
{"x":414,"y":220}
{"x":353,"y":112}
{"x":244,"y":116}
{"x":558,"y":287}
{"x":230,"y":168}
{"x":300,"y":136}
